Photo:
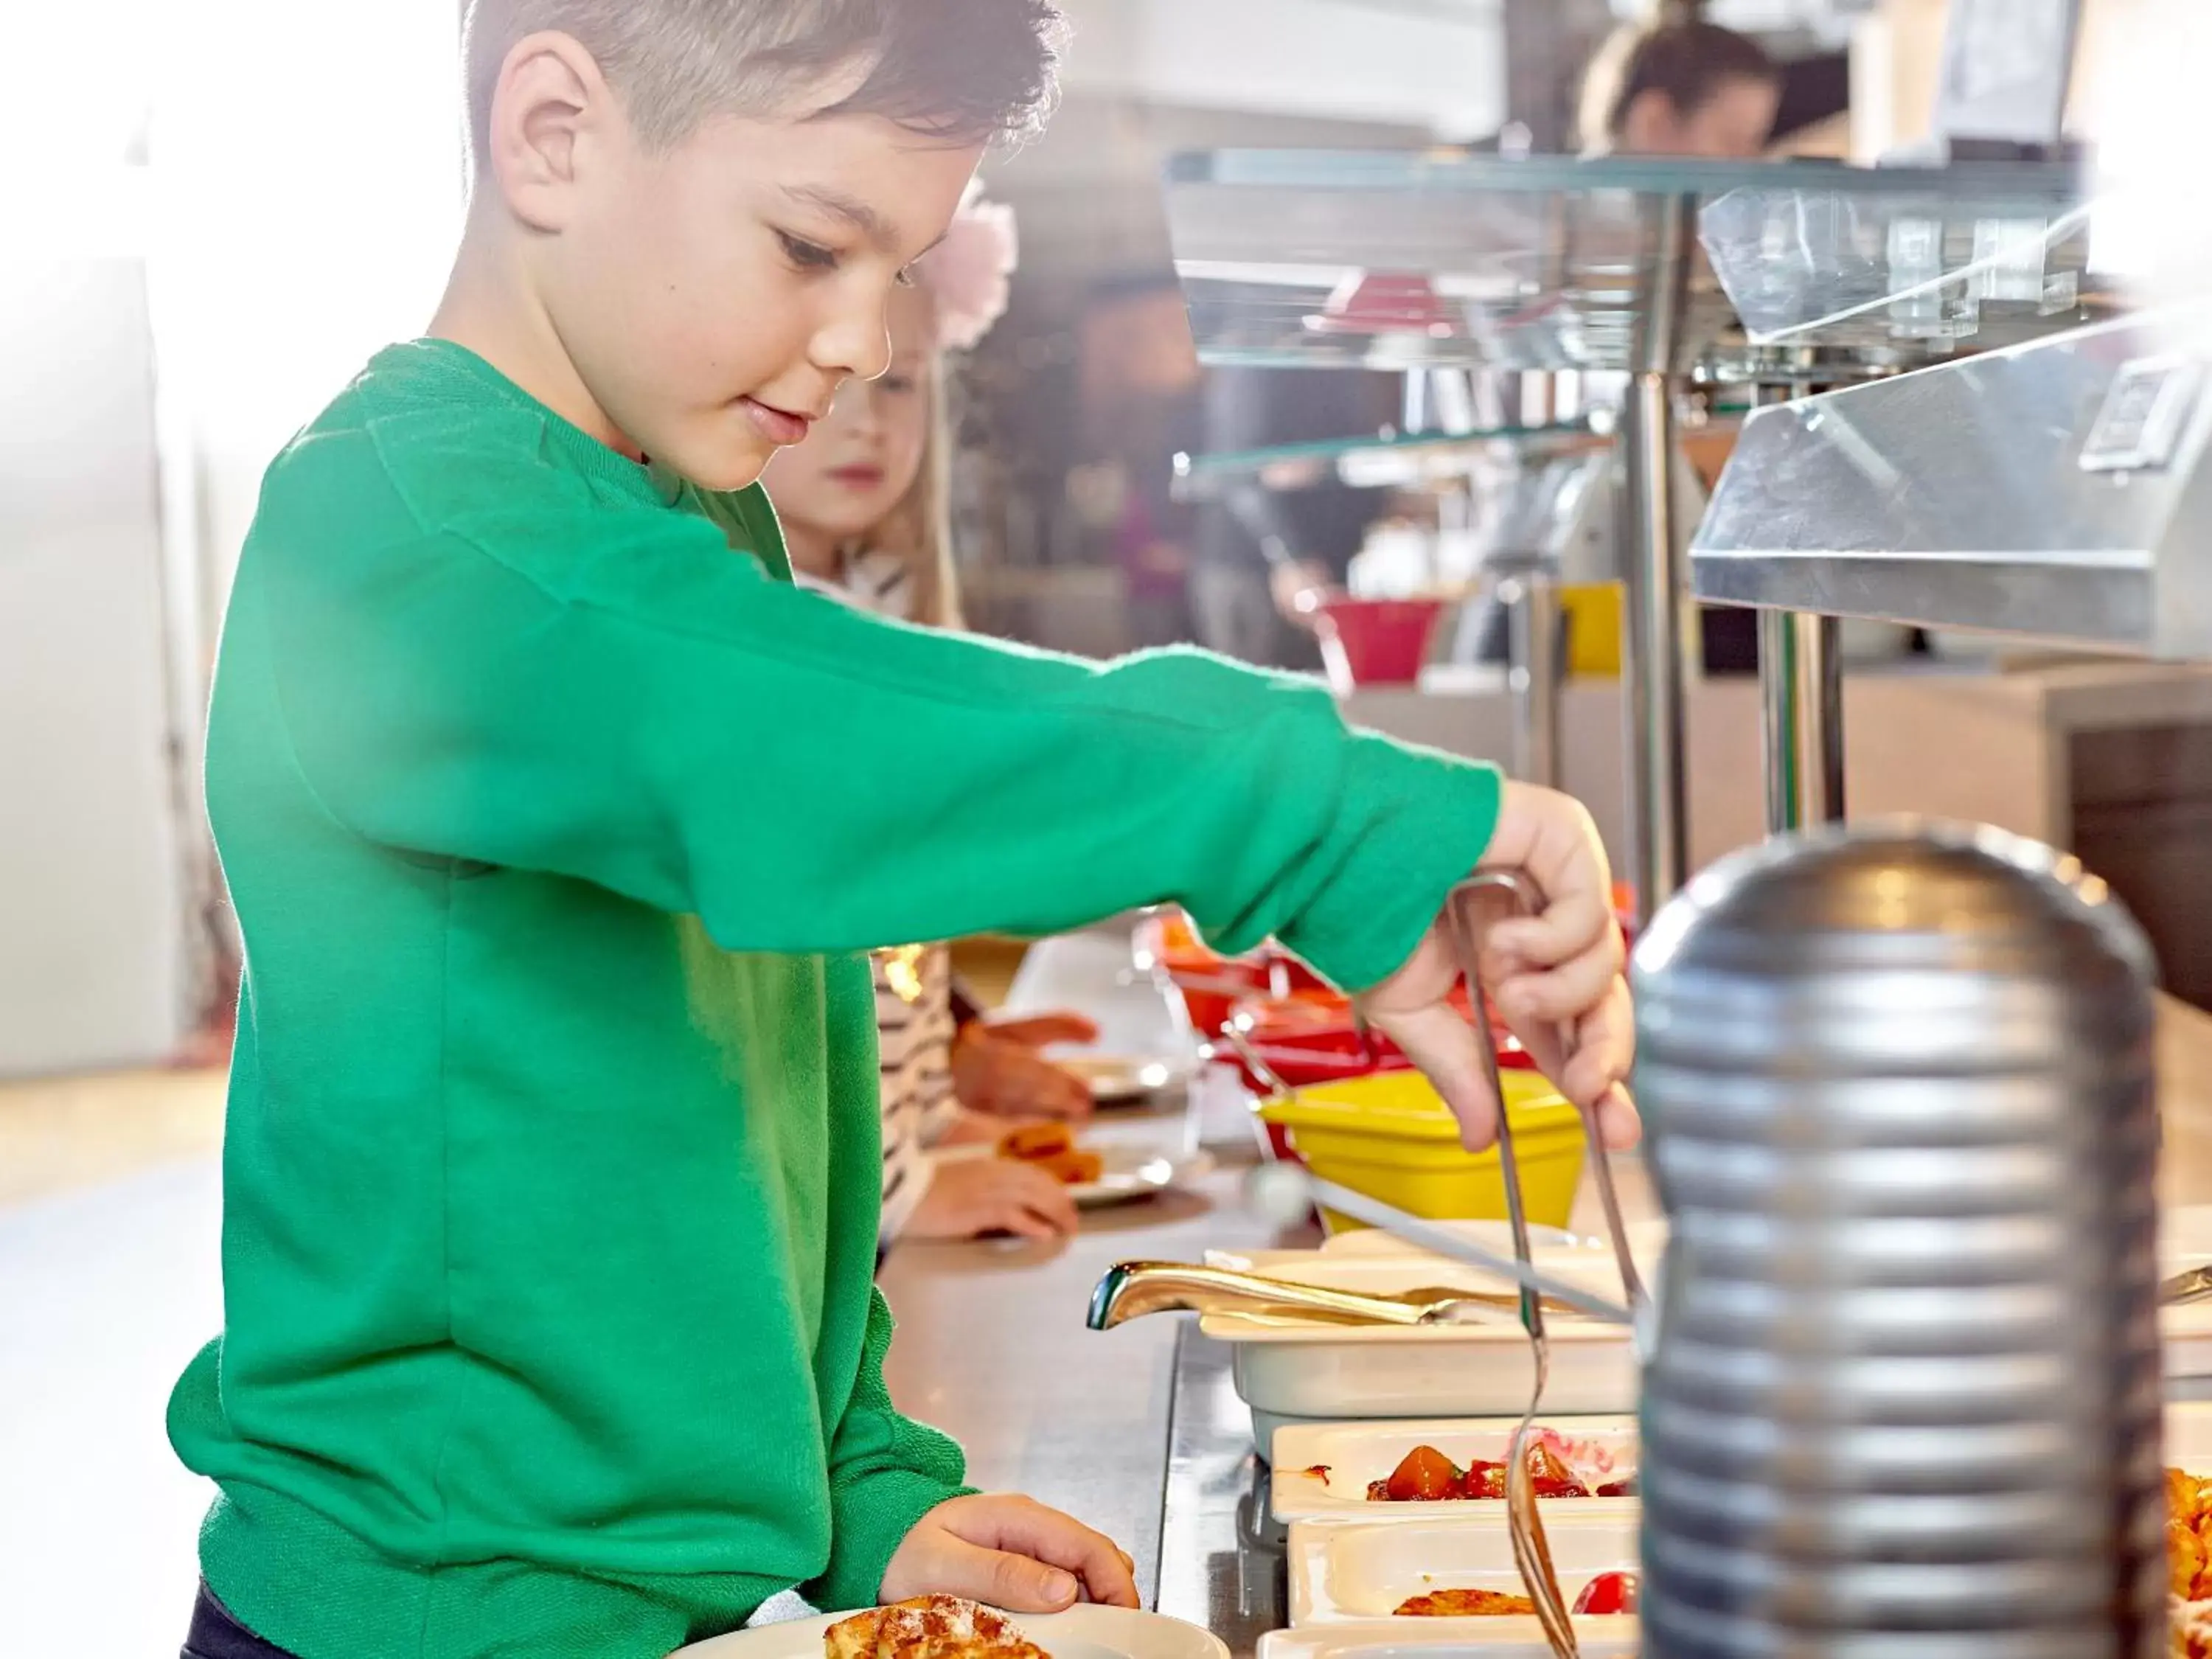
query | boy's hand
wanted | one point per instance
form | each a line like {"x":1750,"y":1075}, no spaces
{"x":1555,"y":977}
{"x":1002,"y":1074}
{"x":969,"y":1197}
{"x":1011,"y":1552}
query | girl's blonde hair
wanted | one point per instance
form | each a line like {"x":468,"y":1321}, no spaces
{"x":967,"y":276}
{"x":919,"y":528}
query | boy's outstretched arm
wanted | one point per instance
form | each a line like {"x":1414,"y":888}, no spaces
{"x":633,"y":705}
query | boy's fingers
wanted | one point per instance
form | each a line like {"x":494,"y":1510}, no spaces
{"x":1003,"y":1578}
{"x":1117,"y":1587}
{"x":1604,"y":1046}
{"x":1563,"y":993}
{"x":1048,"y":1539}
{"x":1570,"y":926}
{"x":1440,"y":1042}
{"x":1618,"y":1124}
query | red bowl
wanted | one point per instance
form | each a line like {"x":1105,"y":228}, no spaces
{"x":1211,"y":985}
{"x":1386,"y":302}
{"x":1375,"y":641}
{"x":1305,"y":1041}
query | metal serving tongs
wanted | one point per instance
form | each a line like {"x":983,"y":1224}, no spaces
{"x":1131,"y":1289}
{"x":1532,"y":1550}
{"x":1525,"y":895}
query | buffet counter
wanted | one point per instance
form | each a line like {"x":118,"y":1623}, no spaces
{"x":1139,"y":1430}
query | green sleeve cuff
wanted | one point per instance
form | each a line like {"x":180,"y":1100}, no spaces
{"x":870,"y":1518}
{"x":1410,"y":824}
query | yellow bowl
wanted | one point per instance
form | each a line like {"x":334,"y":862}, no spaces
{"x":1390,"y":1136}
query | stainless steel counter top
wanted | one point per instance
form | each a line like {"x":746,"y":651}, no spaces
{"x":992,"y":1348}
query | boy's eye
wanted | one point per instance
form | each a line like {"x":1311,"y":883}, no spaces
{"x":807,"y":256}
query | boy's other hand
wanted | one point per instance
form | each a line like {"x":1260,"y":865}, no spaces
{"x":1006,"y":1076}
{"x":1011,"y":1552}
{"x":969,"y":1197}
{"x":1556,"y":977}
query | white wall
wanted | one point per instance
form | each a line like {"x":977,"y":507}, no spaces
{"x":1439,"y":63}
{"x":308,"y":185}
{"x":216,"y":213}
{"x":92,"y":910}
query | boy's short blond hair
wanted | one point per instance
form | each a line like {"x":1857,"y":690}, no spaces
{"x":964,"y":70}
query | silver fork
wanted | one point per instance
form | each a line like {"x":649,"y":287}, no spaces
{"x":1532,"y":1550}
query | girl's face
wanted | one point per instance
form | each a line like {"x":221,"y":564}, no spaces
{"x":861,"y":460}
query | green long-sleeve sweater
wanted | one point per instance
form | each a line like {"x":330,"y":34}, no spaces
{"x":554,"y":818}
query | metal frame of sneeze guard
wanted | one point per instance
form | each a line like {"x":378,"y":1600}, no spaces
{"x":2058,"y":490}
{"x":1441,"y":260}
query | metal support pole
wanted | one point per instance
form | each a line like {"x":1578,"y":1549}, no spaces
{"x":1801,"y":719}
{"x":1653,"y":667}
{"x":1800,"y":682}
{"x":1531,"y":599}
{"x":1414,"y":408}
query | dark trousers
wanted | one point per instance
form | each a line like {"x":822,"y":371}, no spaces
{"x":216,"y":1635}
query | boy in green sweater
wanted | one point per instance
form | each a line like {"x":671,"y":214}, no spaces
{"x":556,"y":819}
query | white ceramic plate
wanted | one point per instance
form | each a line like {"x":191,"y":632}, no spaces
{"x":1354,"y":1454}
{"x":1082,"y":1633}
{"x":1131,"y":1173}
{"x":1348,"y":1572}
{"x":1125,"y":1079}
{"x":1395,"y":1639}
{"x":1138,"y":1172}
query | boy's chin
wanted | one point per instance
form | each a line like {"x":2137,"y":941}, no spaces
{"x":721,"y":467}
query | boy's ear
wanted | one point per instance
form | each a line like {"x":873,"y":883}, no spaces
{"x":550,"y":105}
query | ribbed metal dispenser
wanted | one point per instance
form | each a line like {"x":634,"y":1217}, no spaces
{"x":1903,"y":1397}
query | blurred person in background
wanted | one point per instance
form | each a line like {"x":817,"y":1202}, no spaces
{"x":1139,"y":398}
{"x":1680,"y":89}
{"x":1674,"y":87}
{"x":1692,"y":89}
{"x":1293,"y":529}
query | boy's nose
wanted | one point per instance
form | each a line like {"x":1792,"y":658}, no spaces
{"x":858,"y":347}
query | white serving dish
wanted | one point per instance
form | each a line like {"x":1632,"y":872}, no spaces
{"x":1351,"y":1571}
{"x":1357,"y":1453}
{"x":1646,"y":1242}
{"x":1392,"y":1638}
{"x":2185,"y":1242}
{"x":1330,"y":1373}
